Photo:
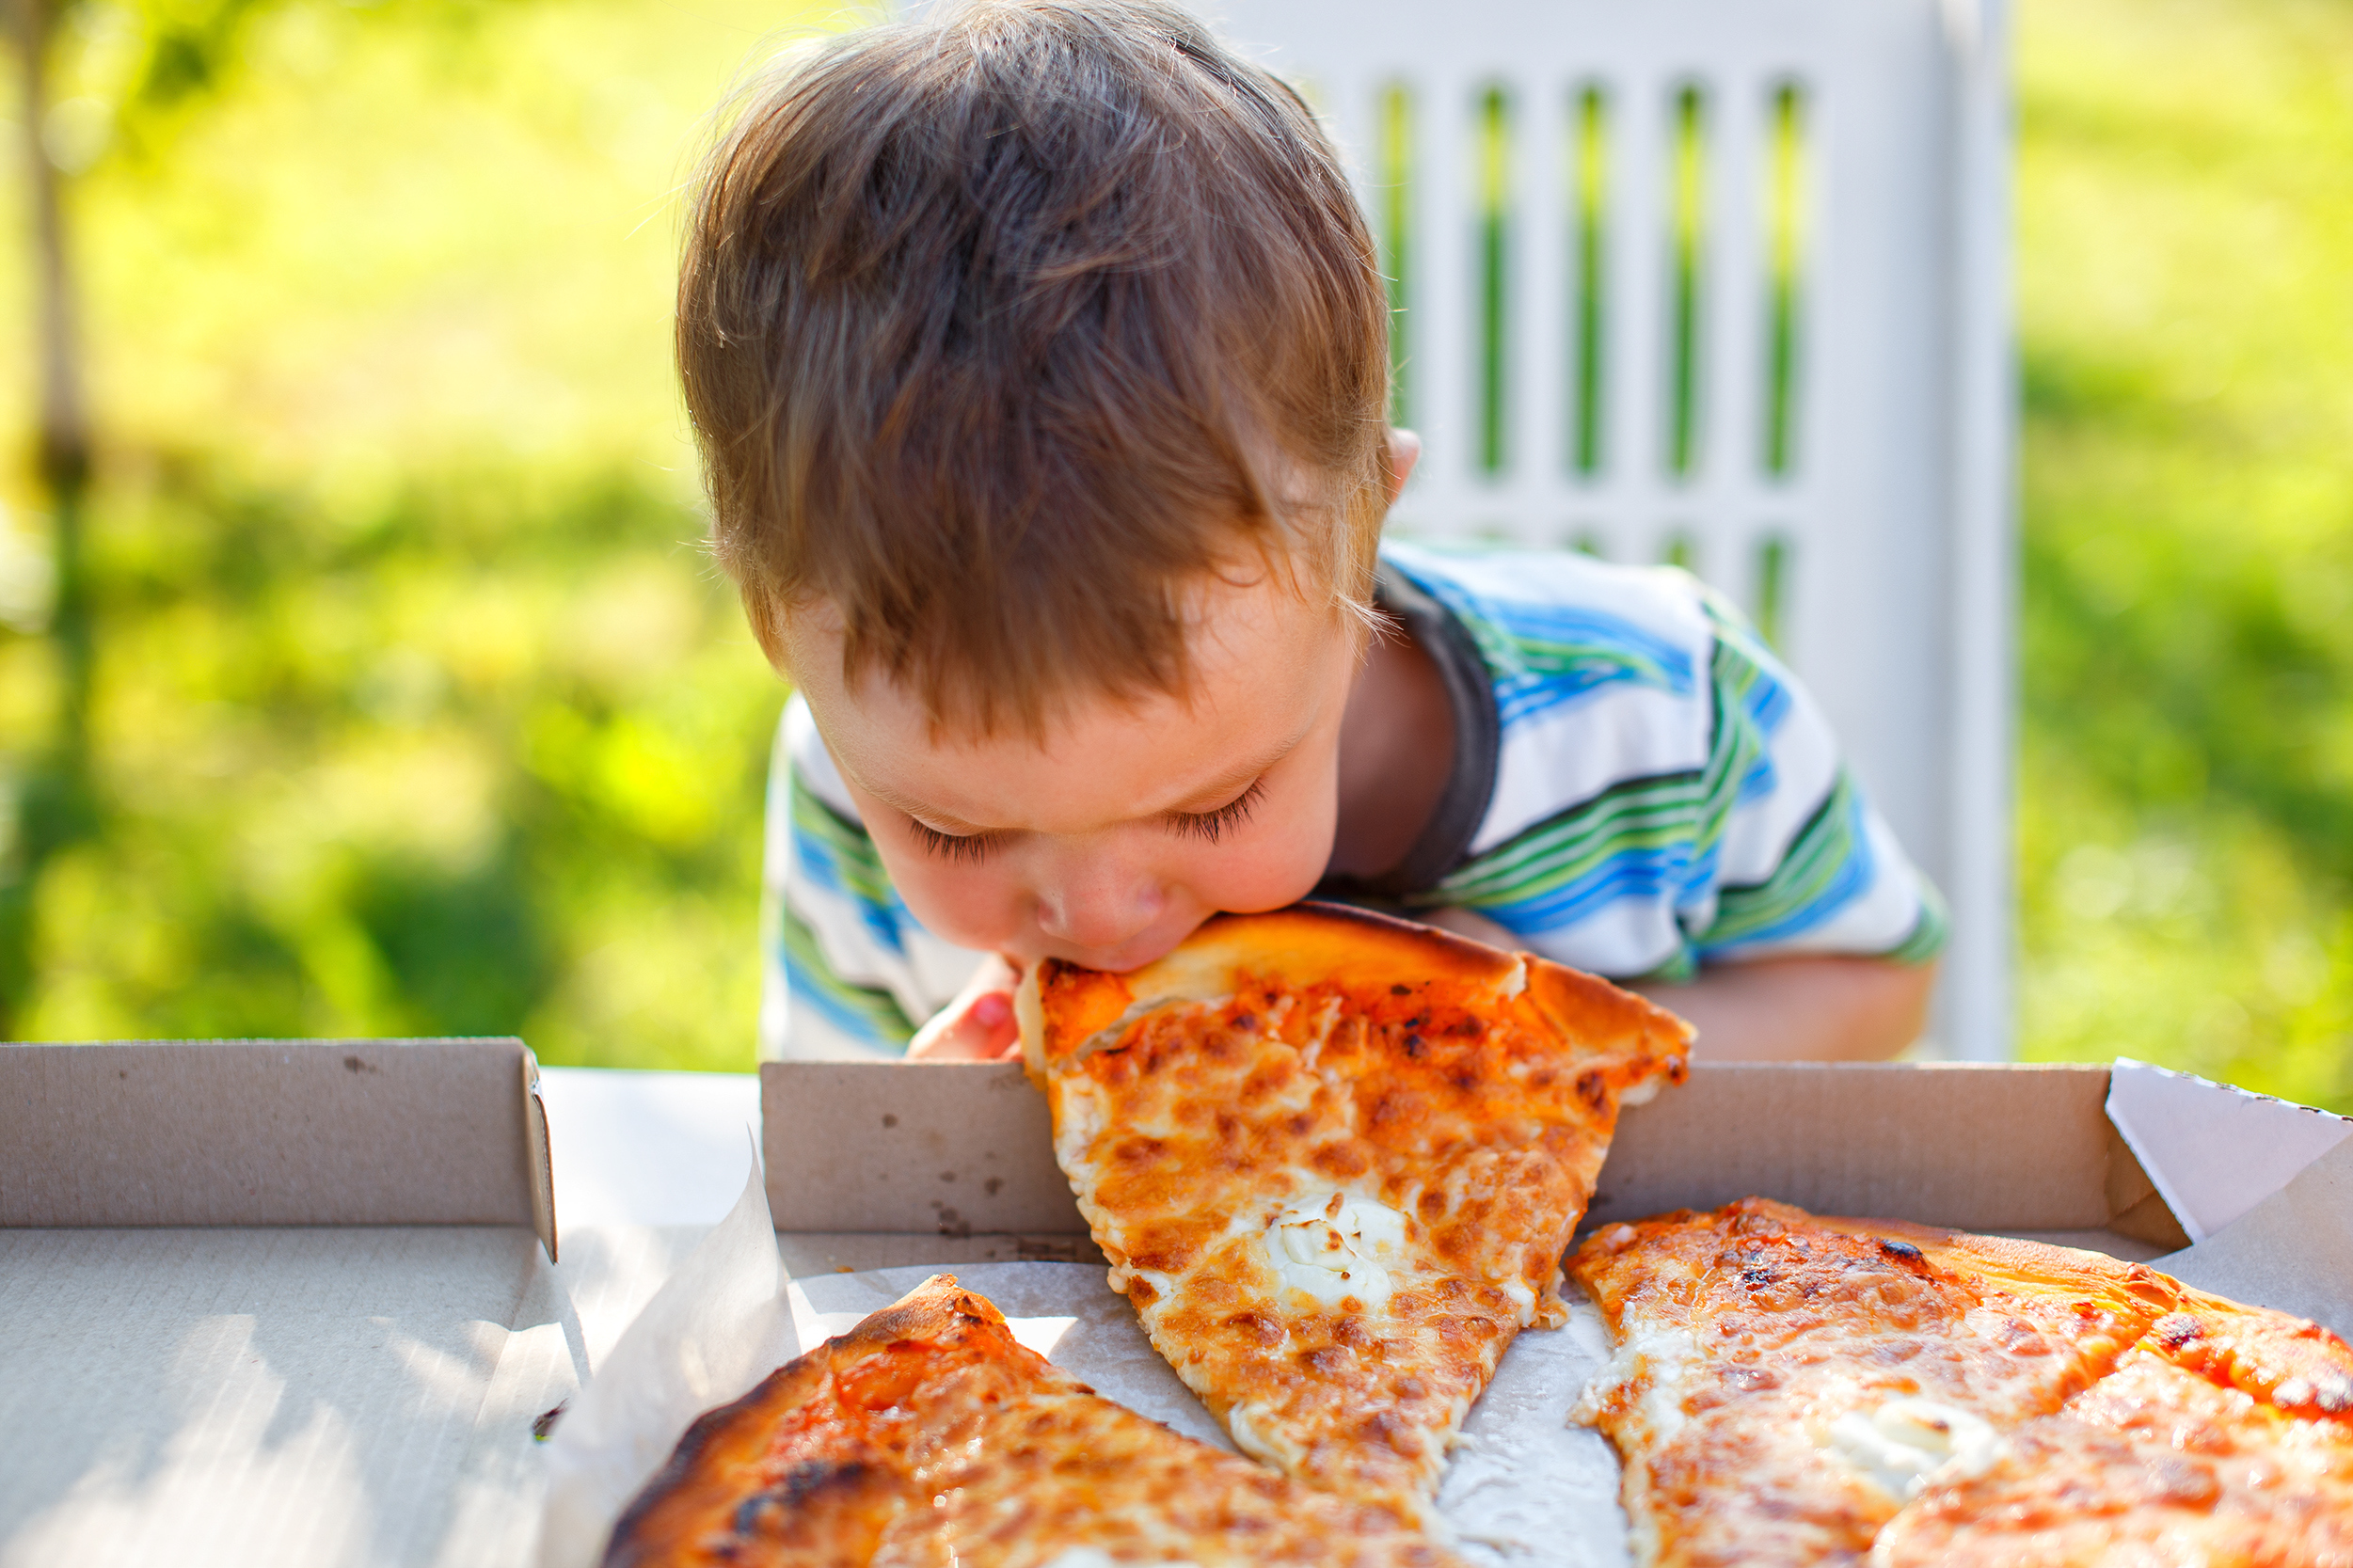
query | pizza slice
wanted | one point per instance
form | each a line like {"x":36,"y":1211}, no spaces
{"x":2225,"y":1438}
{"x":927,"y":1436}
{"x":1334,"y":1160}
{"x":1784,"y":1384}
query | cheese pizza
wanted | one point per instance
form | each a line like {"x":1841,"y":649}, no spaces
{"x":1783,"y":1385}
{"x":1334,"y":1160}
{"x":927,"y":1436}
{"x":2224,"y":1438}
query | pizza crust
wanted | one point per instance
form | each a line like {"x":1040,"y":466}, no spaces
{"x":1311,"y":945}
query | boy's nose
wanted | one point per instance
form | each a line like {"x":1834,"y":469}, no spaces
{"x":1098,"y":913}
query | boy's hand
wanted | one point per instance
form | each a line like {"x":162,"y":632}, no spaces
{"x":978,"y":1025}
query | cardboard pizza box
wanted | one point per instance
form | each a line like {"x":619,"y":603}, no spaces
{"x":876,"y":1174}
{"x":269,"y":1302}
{"x":880,"y":1165}
{"x":301,"y":1303}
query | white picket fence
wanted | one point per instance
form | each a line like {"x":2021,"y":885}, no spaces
{"x":1726,"y":282}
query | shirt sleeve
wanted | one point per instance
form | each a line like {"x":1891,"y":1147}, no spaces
{"x":847,"y":972}
{"x":1755,"y":842}
{"x":1798,"y":860}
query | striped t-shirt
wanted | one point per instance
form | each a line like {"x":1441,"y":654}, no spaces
{"x":1639,"y":788}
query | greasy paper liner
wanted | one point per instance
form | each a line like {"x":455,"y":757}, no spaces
{"x":1526,"y":1487}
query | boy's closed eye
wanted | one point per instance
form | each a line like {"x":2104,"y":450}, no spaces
{"x":1210,"y":826}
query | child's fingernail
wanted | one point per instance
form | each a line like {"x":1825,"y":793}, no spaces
{"x":993,"y":1010}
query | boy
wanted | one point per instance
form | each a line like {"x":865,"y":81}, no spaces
{"x":1038,"y":358}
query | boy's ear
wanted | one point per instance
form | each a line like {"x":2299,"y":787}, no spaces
{"x":1405,"y":450}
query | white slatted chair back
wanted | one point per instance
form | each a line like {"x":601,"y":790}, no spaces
{"x":1721,"y":282}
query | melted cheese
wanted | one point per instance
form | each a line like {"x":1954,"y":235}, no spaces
{"x":1257,"y":1430}
{"x":1906,"y":1443}
{"x":1664,"y":1360}
{"x":2151,"y":1464}
{"x":1515,"y":980}
{"x":1338,"y":1245}
{"x":929,"y":1434}
{"x":1784,"y":1385}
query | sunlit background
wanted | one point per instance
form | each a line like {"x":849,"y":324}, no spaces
{"x":412,"y":707}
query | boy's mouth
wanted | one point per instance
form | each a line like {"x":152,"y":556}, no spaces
{"x":1155,"y":942}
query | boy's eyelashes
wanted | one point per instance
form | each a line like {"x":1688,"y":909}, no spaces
{"x":966,"y":848}
{"x":1212,"y":825}
{"x":970,"y":849}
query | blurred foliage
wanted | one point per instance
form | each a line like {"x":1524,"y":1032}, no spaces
{"x":478,"y":758}
{"x":418,"y":711}
{"x":2187,"y":771}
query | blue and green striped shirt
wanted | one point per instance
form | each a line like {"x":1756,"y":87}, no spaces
{"x":1640,"y":788}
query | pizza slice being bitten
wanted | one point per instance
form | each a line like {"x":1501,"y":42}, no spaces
{"x":1334,"y":1160}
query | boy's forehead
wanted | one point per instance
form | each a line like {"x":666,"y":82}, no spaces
{"x":1262,"y":668}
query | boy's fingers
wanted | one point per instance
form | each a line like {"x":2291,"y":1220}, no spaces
{"x":984,"y":1031}
{"x":960,"y":1042}
{"x":991,"y":1021}
{"x":945,"y":1038}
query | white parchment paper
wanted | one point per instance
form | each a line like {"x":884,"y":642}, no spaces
{"x":716,"y":1327}
{"x":1526,"y":1489}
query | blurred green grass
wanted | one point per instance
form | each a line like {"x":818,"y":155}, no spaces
{"x":2186,"y":777}
{"x":418,"y":710}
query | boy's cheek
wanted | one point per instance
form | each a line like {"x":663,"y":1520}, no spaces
{"x":975,"y":906}
{"x":1245,"y":881}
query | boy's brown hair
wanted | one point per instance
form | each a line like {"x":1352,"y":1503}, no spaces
{"x":1001,"y":329}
